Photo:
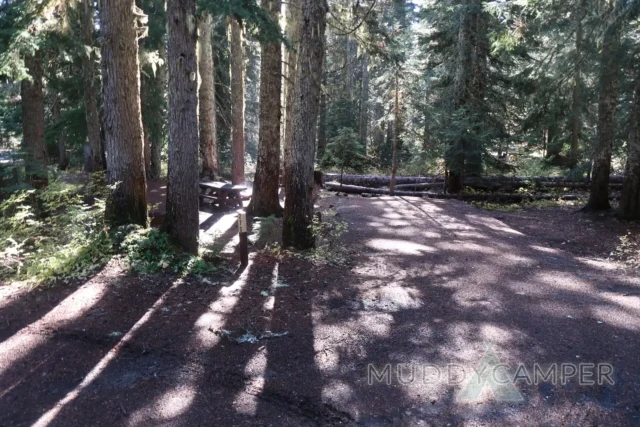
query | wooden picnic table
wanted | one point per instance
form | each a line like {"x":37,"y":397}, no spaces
{"x":221,"y":193}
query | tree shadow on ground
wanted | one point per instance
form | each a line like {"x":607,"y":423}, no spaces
{"x":433,"y":283}
{"x":21,"y":307}
{"x":48,"y":358}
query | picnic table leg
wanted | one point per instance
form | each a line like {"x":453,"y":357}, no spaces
{"x":203,"y":192}
{"x":224,"y":199}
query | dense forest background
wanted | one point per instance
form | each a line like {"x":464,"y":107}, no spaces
{"x":453,"y":88}
{"x":535,"y":68}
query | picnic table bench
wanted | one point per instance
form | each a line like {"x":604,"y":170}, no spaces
{"x":221,"y":193}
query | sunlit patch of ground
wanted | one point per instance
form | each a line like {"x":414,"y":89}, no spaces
{"x":433,"y":287}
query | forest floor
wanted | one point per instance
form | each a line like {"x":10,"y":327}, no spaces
{"x":429,"y":283}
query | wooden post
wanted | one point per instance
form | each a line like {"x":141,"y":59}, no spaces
{"x":242,"y":232}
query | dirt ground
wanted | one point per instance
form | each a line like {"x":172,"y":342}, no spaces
{"x":431,"y":283}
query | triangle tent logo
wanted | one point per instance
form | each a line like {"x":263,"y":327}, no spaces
{"x":490,"y":372}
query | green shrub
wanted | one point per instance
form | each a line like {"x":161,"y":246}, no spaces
{"x":344,"y":152}
{"x":628,"y":251}
{"x":149,"y":251}
{"x":51,"y":234}
{"x":327,"y":232}
{"x":267,"y":232}
{"x":59,"y":233}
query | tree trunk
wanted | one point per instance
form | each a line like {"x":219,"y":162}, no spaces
{"x":93,"y":152}
{"x":389,"y":132}
{"x":576,"y":102}
{"x":292,"y":32}
{"x":157,"y":142}
{"x":350,"y":63}
{"x":182,"y":220}
{"x":480,"y":70}
{"x":222,"y":65}
{"x":298,"y":215}
{"x":127,"y":202}
{"x":207,"y":99}
{"x":322,"y":120}
{"x":608,"y":98}
{"x":63,"y":160}
{"x":252,"y":98}
{"x":630,"y":198}
{"x":396,"y":130}
{"x":364,"y":102}
{"x":237,"y":103}
{"x":456,"y":155}
{"x":379,"y":131}
{"x":154,"y":87}
{"x":146,"y":153}
{"x":265,"y":200}
{"x":464,"y":155}
{"x":427,"y":143}
{"x":33,"y":122}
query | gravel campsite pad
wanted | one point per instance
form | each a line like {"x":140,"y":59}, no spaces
{"x":435,"y":294}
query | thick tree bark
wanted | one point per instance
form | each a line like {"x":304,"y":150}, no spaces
{"x":364,"y":101}
{"x":630,"y":199}
{"x":93,"y":152}
{"x":237,"y":103}
{"x":298,"y":215}
{"x":182,"y":220}
{"x":207,"y":99}
{"x":607,"y":104}
{"x":127,"y":202}
{"x":33,"y":122}
{"x":292,"y":32}
{"x":265,"y":200}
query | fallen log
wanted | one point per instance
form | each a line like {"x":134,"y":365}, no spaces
{"x":382,"y":181}
{"x":504,"y":186}
{"x":420,"y":186}
{"x":493,"y":197}
{"x":356,"y":189}
{"x":379,"y":181}
{"x":574,"y":184}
